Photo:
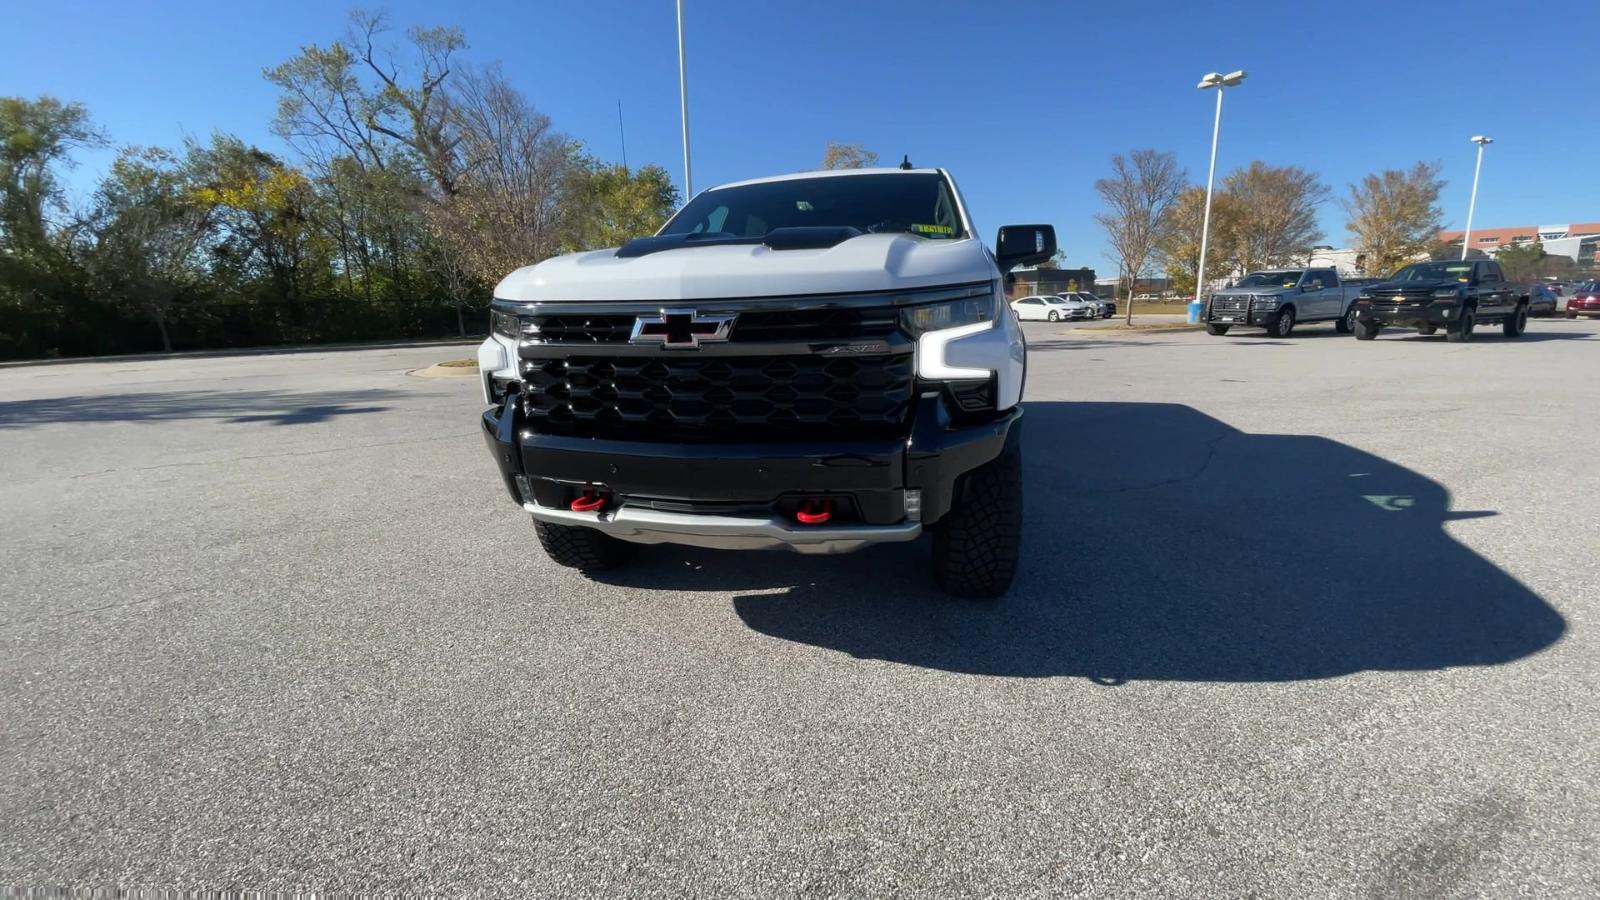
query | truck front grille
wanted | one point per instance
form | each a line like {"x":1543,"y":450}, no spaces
{"x":797,"y":325}
{"x":706,"y":398}
{"x":1230,"y":304}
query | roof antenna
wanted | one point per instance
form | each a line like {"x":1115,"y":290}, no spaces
{"x":905,"y":161}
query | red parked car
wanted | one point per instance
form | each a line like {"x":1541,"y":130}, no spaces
{"x":1585,"y":300}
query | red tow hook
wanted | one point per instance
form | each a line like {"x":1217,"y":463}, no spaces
{"x":814,"y":512}
{"x":590,"y":502}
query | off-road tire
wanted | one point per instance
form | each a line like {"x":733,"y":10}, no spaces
{"x":1516,"y":323}
{"x":1282,"y":324}
{"x":1347,"y":322}
{"x":1460,"y":330}
{"x":1214,"y":328}
{"x":581,"y":548}
{"x":977,"y":544}
{"x":1366,"y":331}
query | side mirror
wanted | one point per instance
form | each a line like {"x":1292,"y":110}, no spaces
{"x":1024,"y":245}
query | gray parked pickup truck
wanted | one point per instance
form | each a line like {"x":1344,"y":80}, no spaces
{"x":1279,"y":299}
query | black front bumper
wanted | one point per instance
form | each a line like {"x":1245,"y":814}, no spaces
{"x":867,"y":478}
{"x":1408,"y":315}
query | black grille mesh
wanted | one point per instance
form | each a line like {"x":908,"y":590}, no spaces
{"x":715,"y":398}
{"x":777,"y":325}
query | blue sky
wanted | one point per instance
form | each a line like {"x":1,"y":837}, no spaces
{"x":1023,"y":101}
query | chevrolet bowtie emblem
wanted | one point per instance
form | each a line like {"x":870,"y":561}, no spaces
{"x":681,"y":329}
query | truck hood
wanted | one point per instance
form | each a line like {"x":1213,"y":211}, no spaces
{"x":1254,"y":292}
{"x":871,"y":262}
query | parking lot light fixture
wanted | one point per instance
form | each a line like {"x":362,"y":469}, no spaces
{"x":1472,"y":205}
{"x":1220,"y":82}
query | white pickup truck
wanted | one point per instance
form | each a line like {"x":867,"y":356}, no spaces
{"x":1280,"y":299}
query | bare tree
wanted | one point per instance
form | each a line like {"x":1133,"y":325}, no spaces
{"x":1277,"y":208}
{"x":1395,"y":215}
{"x":510,"y":206}
{"x":1140,"y":193}
{"x":848,"y":156}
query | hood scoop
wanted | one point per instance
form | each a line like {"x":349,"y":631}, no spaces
{"x":809,"y":237}
{"x":801,"y":237}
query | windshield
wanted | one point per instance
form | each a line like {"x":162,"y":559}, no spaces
{"x":919,"y":204}
{"x":1435,"y":271}
{"x":1269,"y":279}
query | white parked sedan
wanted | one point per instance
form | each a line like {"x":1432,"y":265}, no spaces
{"x":1047,"y":309}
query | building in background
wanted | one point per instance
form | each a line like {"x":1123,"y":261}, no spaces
{"x":1028,"y":282}
{"x":1575,"y":241}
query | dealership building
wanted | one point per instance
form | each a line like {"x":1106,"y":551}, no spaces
{"x":1576,"y":241}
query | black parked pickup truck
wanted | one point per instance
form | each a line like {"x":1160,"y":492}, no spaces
{"x":1459,"y":296}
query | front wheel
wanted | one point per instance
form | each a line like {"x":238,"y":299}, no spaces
{"x":1283,"y":322}
{"x":1572,"y":315}
{"x":1214,"y":328}
{"x":1348,"y":323}
{"x":1366,"y":331}
{"x":1054,"y":317}
{"x":1460,"y":331}
{"x":977,"y":544}
{"x":581,"y":548}
{"x":1515,"y":325}
{"x":1427,"y":329}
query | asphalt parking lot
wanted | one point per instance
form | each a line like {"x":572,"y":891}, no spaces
{"x":1297,"y":618}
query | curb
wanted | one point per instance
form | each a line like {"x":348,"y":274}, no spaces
{"x":249,"y":351}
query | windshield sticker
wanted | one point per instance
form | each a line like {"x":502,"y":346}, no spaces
{"x":933,"y":229}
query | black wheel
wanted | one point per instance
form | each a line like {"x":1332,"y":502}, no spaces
{"x":1366,"y":331}
{"x":581,"y":548}
{"x":1053,"y":316}
{"x":1427,"y":329}
{"x":976,"y":544}
{"x":1516,"y":324}
{"x":1347,"y":324}
{"x":1282,"y":323}
{"x":1460,"y":331}
{"x":1216,"y":328}
{"x":1572,"y":315}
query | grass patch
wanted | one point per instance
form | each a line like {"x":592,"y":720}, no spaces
{"x":459,"y":363}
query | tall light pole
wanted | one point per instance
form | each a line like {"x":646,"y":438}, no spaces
{"x":1472,"y":205}
{"x":683,"y":105}
{"x":1221,"y":82}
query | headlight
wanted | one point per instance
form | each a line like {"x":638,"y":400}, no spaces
{"x":1266,"y":302}
{"x":505,"y":324}
{"x":1446,"y":292}
{"x":918,"y":320}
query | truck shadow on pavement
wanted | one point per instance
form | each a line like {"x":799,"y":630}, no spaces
{"x":1164,"y":544}
{"x":232,"y":407}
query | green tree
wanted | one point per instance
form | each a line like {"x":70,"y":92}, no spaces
{"x":1395,"y":215}
{"x":149,"y":230}
{"x":1520,"y":262}
{"x":37,"y":139}
{"x":613,"y":205}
